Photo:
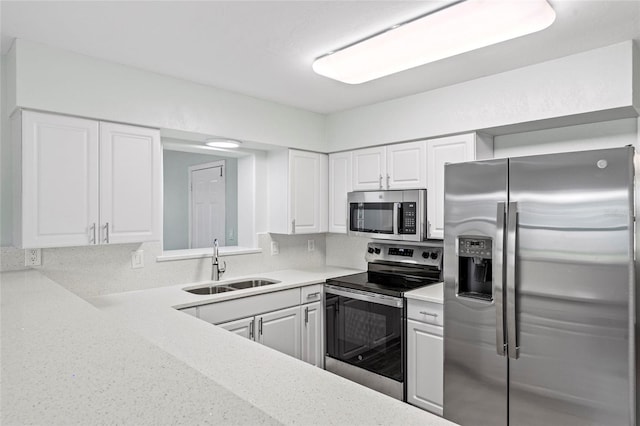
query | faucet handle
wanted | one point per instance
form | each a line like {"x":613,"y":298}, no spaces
{"x":224,"y":267}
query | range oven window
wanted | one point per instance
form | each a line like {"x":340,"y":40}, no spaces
{"x":365,"y":334}
{"x":372,"y":217}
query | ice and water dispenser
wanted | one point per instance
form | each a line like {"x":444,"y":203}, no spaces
{"x":474,"y":267}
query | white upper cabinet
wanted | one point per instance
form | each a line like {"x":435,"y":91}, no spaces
{"x":451,"y":149}
{"x":298,"y":186}
{"x":130,"y":176}
{"x":340,"y":183}
{"x":369,"y":167}
{"x":58,"y":160}
{"x":406,"y":166}
{"x":80,"y":182}
{"x":399,"y":166}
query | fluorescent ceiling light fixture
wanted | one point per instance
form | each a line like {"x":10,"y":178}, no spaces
{"x":222,"y":143}
{"x":459,"y":28}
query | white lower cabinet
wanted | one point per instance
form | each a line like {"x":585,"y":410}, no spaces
{"x":280,"y":330}
{"x":312,"y":334}
{"x":242,"y":327}
{"x":425,"y":358}
{"x":276,"y":319}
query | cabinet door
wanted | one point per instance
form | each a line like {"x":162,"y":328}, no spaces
{"x":280,"y":330}
{"x":312,"y":348}
{"x":59,"y":181}
{"x":425,"y":366}
{"x":406,"y":166}
{"x":308,"y":191}
{"x":130,"y":184}
{"x":339,"y":185}
{"x":369,"y":169}
{"x":453,"y":149}
{"x":243,"y":327}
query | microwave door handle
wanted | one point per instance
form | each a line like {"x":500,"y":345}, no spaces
{"x":396,"y":218}
{"x":498,"y":267}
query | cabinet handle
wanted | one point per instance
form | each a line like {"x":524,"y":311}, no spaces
{"x":93,"y":240}
{"x":388,"y":178}
{"x":106,"y":227}
{"x":260,"y":326}
{"x":431,"y":314}
{"x":306,"y":316}
{"x":293,"y":226}
{"x":312,"y":295}
{"x":251,"y":324}
{"x":380,"y":181}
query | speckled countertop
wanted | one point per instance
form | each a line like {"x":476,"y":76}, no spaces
{"x":430,"y":293}
{"x":137,"y":360}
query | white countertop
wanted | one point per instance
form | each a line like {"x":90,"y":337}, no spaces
{"x":430,"y":293}
{"x":66,"y":362}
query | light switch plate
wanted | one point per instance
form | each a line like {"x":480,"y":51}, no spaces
{"x":33,"y":257}
{"x":137,"y":259}
{"x":275,"y":248}
{"x":311,"y":245}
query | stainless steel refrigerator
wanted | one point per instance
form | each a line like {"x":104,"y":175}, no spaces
{"x":539,"y":299}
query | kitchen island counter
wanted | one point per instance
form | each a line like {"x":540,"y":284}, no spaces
{"x":138,"y":360}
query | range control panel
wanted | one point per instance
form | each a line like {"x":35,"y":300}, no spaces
{"x":475,"y":247}
{"x":423,"y":255}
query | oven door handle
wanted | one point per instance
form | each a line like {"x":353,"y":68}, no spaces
{"x":380,"y":299}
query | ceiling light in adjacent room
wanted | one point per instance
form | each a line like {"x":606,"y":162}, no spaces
{"x":456,"y":29}
{"x":222,"y":143}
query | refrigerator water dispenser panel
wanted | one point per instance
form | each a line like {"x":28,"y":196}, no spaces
{"x":474,"y":267}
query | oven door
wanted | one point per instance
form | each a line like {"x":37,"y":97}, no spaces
{"x":365,"y":330}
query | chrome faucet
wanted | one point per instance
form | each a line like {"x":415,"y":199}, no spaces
{"x":217,"y":271}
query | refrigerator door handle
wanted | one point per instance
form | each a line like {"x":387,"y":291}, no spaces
{"x":512,"y":325}
{"x":498,"y":268}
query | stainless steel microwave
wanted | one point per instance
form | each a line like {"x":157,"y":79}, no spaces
{"x":388,"y":215}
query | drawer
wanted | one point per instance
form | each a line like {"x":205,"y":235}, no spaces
{"x":427,"y":312}
{"x":229,"y":310}
{"x":312,"y":293}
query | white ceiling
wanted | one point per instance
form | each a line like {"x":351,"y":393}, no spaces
{"x":265,"y":48}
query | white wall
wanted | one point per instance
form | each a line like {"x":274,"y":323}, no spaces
{"x":61,"y":81}
{"x":597,"y":80}
{"x":608,"y":134}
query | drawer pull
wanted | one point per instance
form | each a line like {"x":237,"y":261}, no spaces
{"x":312,"y":295}
{"x":431,"y":314}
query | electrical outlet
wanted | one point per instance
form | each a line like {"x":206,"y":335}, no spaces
{"x":33,"y":257}
{"x":311,"y":245}
{"x":137,"y":259}
{"x":275,"y":248}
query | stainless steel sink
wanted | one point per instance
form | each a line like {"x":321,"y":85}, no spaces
{"x":230,"y":286}
{"x":250,"y":283}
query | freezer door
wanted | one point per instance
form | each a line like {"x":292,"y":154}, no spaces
{"x":475,"y":373}
{"x":573,"y":280}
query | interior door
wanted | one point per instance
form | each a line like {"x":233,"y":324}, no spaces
{"x":208,"y":204}
{"x":475,"y":374}
{"x":573,"y":275}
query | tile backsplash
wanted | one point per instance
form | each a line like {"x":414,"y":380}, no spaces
{"x":98,"y":270}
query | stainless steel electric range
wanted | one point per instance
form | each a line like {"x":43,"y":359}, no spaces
{"x":365,"y":331}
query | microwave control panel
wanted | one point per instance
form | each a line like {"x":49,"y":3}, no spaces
{"x":408,"y":214}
